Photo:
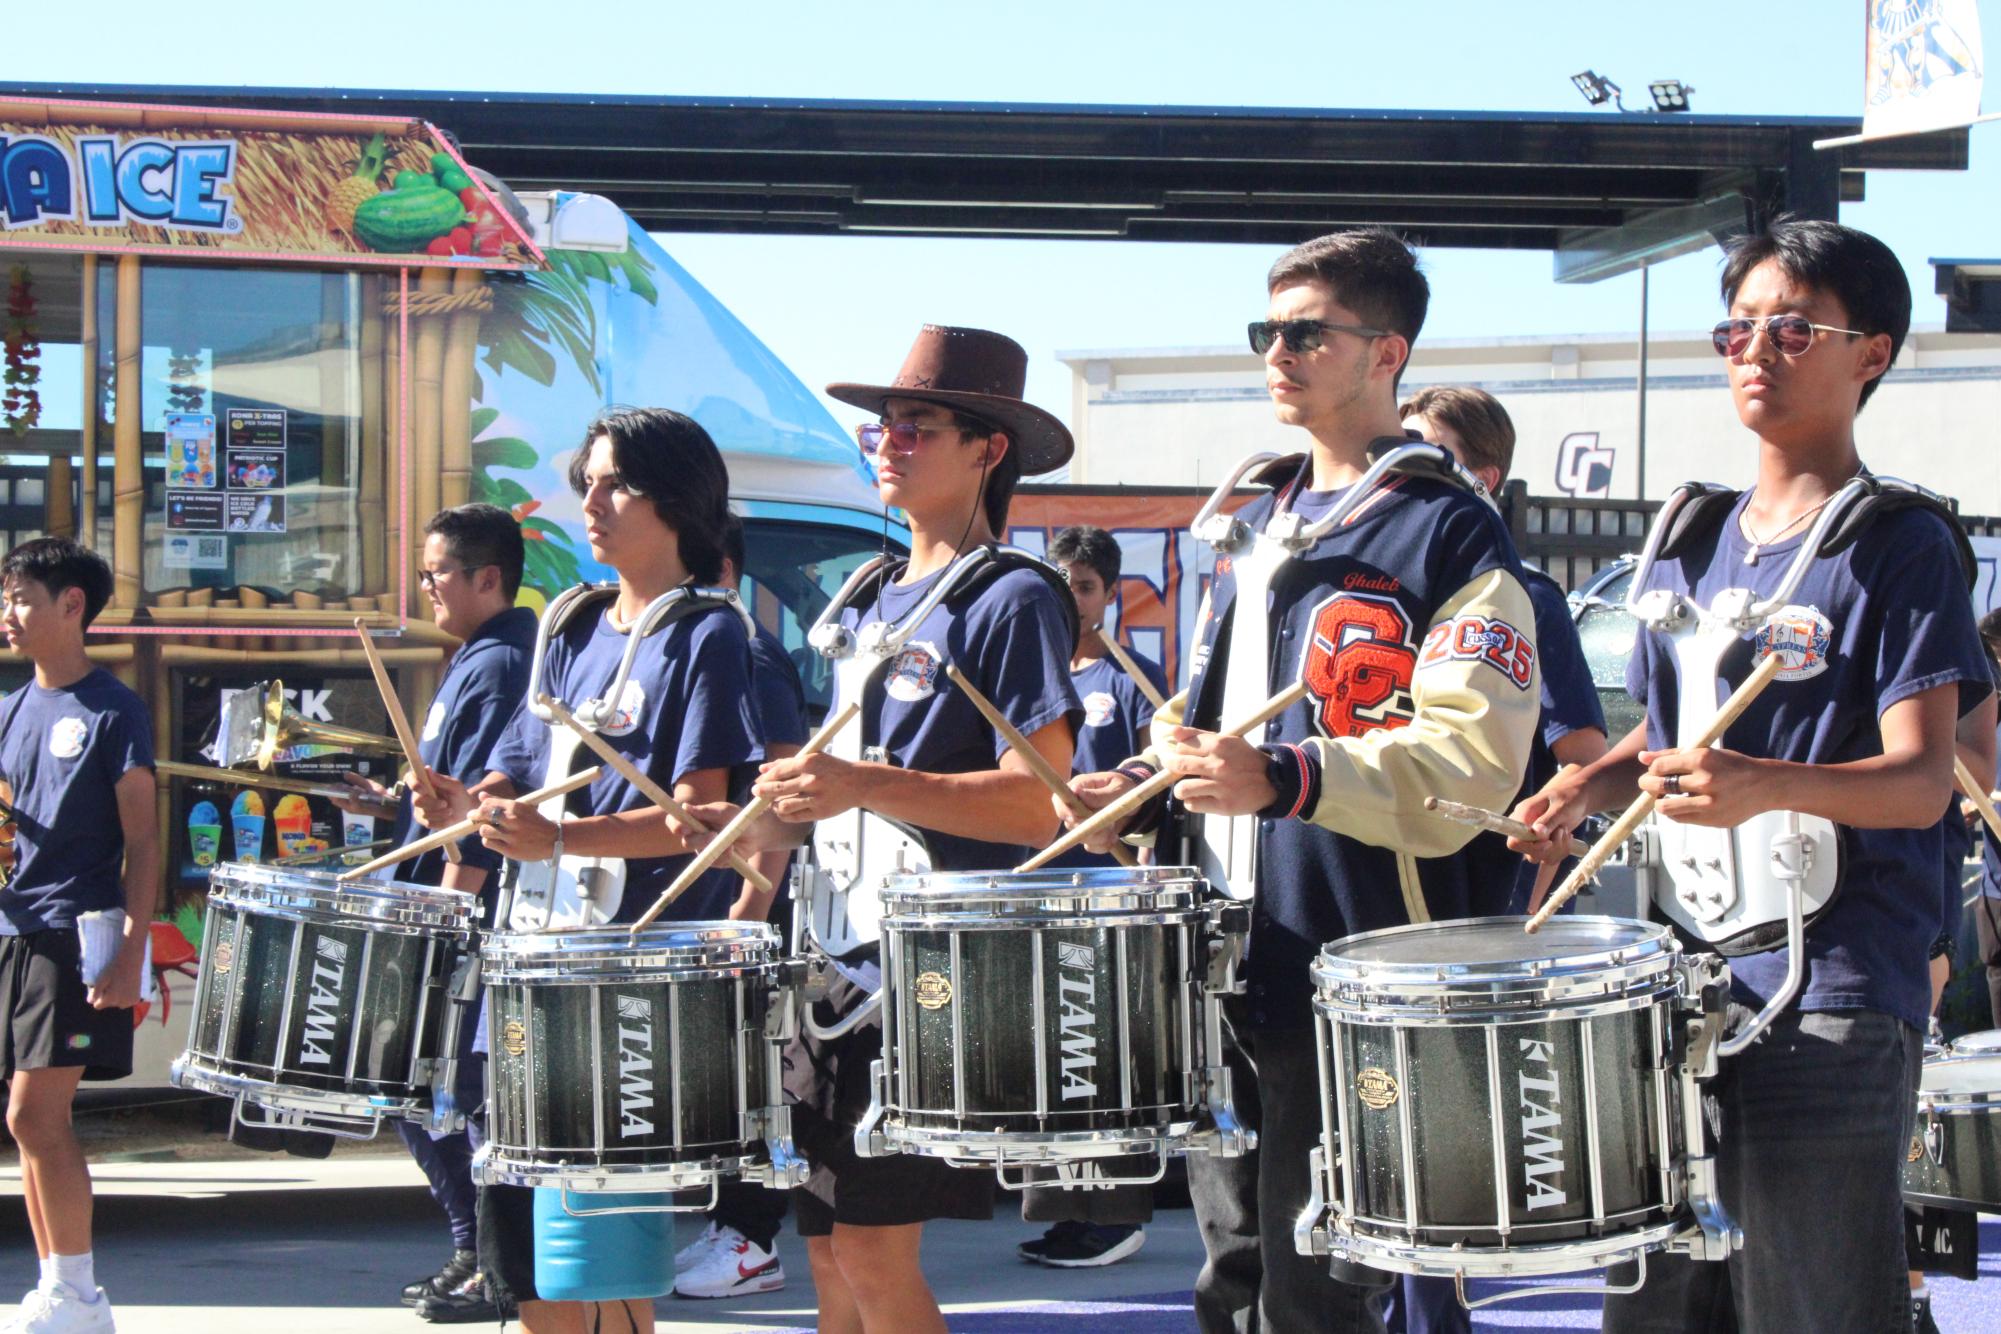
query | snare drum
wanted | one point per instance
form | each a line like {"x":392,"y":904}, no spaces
{"x":648,"y":1062}
{"x":1053,"y":1017}
{"x":326,"y":1004}
{"x":1955,"y":1155}
{"x":1497,"y":1103}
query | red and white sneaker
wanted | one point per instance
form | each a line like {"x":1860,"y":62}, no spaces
{"x":733,"y":1266}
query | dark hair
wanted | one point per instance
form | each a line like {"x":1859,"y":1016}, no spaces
{"x":733,"y":542}
{"x":477,"y":535}
{"x":1371,"y":271}
{"x":1990,"y":633}
{"x":1085,"y":545}
{"x":1475,"y":416}
{"x":1853,"y":267}
{"x":667,"y":457}
{"x":1002,"y":476}
{"x":56,"y":563}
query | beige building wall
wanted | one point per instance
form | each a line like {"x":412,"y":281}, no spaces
{"x":1181,"y":417}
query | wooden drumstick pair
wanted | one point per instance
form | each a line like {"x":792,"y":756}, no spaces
{"x":420,"y":777}
{"x":1130,"y":668}
{"x":1976,"y":792}
{"x":1623,"y":827}
{"x":1495,"y":822}
{"x":1112,"y":816}
{"x":453,"y":833}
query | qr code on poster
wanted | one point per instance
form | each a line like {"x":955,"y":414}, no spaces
{"x":195,"y":551}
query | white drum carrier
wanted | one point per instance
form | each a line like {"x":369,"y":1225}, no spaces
{"x":1226,"y":846}
{"x":586,"y":891}
{"x":857,"y":852}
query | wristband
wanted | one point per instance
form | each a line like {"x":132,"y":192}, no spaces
{"x":1294,"y":777}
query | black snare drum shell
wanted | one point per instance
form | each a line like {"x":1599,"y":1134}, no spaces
{"x":1961,"y":1167}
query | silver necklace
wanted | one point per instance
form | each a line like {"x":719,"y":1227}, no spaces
{"x":1758,"y":544}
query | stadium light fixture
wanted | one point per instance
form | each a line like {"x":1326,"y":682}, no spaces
{"x":1597,"y":89}
{"x":1670,"y":94}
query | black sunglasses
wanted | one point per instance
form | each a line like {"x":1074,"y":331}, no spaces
{"x":1303,"y":335}
{"x":1790,"y":334}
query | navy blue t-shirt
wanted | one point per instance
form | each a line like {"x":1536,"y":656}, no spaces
{"x":779,"y":697}
{"x":1883,"y":620}
{"x":1013,"y":641}
{"x":686,"y":707}
{"x":63,"y":752}
{"x":480,"y":692}
{"x":1569,"y":698}
{"x":1117,"y":714}
{"x":1401,"y":557}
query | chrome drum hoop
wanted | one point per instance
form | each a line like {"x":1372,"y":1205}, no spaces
{"x":606,"y":955}
{"x":1032,"y":1149}
{"x":1010,"y":900}
{"x":1533,"y":1260}
{"x":498,"y":1167}
{"x":321,"y":897}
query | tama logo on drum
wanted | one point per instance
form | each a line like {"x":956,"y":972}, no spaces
{"x":1542,"y":1152}
{"x":635,"y":1066}
{"x":1076,"y":990}
{"x":323,"y":1001}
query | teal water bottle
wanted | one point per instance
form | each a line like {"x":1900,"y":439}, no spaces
{"x":602,"y":1257}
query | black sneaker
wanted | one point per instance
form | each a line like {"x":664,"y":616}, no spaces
{"x":456,"y":1271}
{"x":1921,"y":1314}
{"x":469,"y":1303}
{"x":1090,"y":1246}
{"x":1033,"y":1251}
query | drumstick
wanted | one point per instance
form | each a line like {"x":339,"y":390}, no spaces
{"x":1111,"y":815}
{"x":1976,"y":792}
{"x":453,"y":833}
{"x":730,"y":832}
{"x":420,"y":777}
{"x":1030,"y":756}
{"x":651,"y":790}
{"x":1622,"y":828}
{"x":240,"y":778}
{"x":1131,"y":668}
{"x":1495,"y":822}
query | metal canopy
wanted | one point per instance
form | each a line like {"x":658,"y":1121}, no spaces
{"x":1267,"y":176}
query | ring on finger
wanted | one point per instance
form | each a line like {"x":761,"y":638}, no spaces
{"x":1671,"y":785}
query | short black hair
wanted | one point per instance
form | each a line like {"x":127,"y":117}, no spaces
{"x":477,"y":535}
{"x":733,"y":551}
{"x":1372,"y":272}
{"x":1003,"y":475}
{"x":667,"y":457}
{"x":1082,"y":544}
{"x":1851,"y":266}
{"x":56,"y":563}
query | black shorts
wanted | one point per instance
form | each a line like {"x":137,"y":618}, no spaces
{"x":827,"y":1085}
{"x":49,"y":1019}
{"x":507,"y":1241}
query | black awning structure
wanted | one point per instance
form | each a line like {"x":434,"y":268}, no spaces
{"x":1603,"y":191}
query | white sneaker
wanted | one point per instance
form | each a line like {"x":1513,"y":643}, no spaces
{"x":32,"y":1305}
{"x":695,"y":1251}
{"x":734,"y":1266}
{"x":63,"y":1310}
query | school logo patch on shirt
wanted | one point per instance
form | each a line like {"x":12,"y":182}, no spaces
{"x":434,"y":721}
{"x":1801,"y":636}
{"x":631,"y":708}
{"x":1099,"y":708}
{"x":913,"y":673}
{"x":66,"y":738}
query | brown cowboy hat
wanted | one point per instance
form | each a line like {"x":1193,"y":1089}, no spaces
{"x":981,"y":374}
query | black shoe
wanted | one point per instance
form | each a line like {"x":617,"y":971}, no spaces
{"x":469,"y":1303}
{"x":1092,"y":1246}
{"x":456,"y":1271}
{"x":1033,"y":1251}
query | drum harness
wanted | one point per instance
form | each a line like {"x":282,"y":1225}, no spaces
{"x":1717,"y":891}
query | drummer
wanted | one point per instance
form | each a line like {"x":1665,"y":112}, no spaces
{"x":953,"y":438}
{"x":656,"y":503}
{"x":1343,"y":841}
{"x":470,"y":569}
{"x":1856,"y":728}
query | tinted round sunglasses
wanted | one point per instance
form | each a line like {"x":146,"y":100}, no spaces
{"x":1790,"y":334}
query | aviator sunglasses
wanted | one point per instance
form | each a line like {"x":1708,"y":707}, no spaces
{"x":1303,"y":335}
{"x":903,"y":437}
{"x":1790,"y":334}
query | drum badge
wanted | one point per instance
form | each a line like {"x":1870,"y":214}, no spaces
{"x":933,"y":990}
{"x":1801,"y":636}
{"x":913,"y":673}
{"x":224,"y":956}
{"x":66,"y":738}
{"x":514,"y":1037}
{"x":1099,"y":708}
{"x":1377,"y":1088}
{"x":1917,"y":1149}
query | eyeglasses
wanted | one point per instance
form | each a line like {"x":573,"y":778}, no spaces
{"x":903,"y":436}
{"x":1303,"y":335}
{"x":1790,"y":334}
{"x":429,"y":578}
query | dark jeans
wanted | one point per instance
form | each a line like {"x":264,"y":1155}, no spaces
{"x":1810,"y":1128}
{"x":447,"y":1161}
{"x":1985,"y":913}
{"x":1254,"y":1282}
{"x":756,"y":1211}
{"x":1425,"y":1306}
{"x":1121,"y":1206}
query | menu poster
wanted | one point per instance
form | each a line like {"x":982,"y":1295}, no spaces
{"x":190,"y":441}
{"x":195,"y":511}
{"x":251,"y":498}
{"x":249,"y":512}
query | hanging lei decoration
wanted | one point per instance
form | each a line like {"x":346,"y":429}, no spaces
{"x":22,"y":403}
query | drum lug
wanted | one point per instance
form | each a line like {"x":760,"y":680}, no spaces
{"x":1934,"y":1140}
{"x":870,"y":1142}
{"x":1228,"y":925}
{"x":1309,"y":1237}
{"x":1714,"y":1236}
{"x":786,"y":1168}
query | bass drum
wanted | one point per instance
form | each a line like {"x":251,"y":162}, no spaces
{"x":1954,"y":1161}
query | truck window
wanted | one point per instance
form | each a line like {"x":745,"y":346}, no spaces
{"x":792,"y":571}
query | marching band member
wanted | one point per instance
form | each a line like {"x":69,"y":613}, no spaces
{"x":1880,"y":658}
{"x":953,"y":439}
{"x":656,"y":503}
{"x":1473,"y":425}
{"x":470,"y":570}
{"x":1988,"y":908}
{"x":76,"y":755}
{"x":1411,"y":630}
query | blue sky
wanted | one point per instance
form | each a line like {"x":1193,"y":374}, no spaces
{"x":845,"y":308}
